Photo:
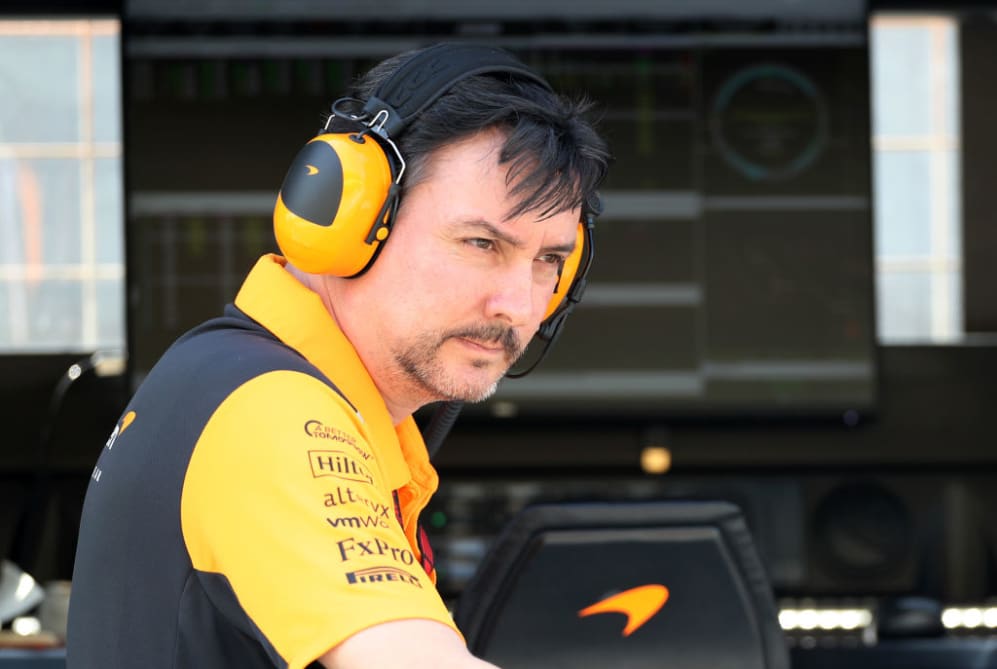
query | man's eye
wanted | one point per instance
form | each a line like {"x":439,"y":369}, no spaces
{"x":481,"y":243}
{"x":552,"y":259}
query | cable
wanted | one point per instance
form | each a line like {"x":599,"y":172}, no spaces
{"x":440,"y":425}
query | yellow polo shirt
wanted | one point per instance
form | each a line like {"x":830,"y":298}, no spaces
{"x":307,"y":499}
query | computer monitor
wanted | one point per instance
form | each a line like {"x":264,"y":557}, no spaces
{"x":733,"y":273}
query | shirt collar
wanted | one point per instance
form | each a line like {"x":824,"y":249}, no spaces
{"x":272,"y":297}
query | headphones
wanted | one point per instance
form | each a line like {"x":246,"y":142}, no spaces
{"x":338,"y":201}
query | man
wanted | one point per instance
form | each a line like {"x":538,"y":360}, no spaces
{"x":257,"y":504}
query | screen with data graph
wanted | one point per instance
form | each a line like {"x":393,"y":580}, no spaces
{"x":733,"y":272}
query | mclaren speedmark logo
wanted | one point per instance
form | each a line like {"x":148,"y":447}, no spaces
{"x":638,"y":604}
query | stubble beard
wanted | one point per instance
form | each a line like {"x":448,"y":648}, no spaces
{"x":422,"y":364}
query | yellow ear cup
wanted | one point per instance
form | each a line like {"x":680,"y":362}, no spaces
{"x":568,"y":273}
{"x":326,"y":211}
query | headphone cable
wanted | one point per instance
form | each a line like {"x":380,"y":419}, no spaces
{"x":445,"y":415}
{"x":440,"y":424}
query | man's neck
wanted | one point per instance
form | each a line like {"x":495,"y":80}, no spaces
{"x":324,"y":287}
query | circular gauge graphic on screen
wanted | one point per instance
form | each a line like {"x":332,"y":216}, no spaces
{"x":769,"y":122}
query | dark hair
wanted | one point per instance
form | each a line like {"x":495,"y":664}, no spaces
{"x":556,"y":159}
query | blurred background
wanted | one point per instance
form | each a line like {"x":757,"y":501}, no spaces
{"x":793,"y":305}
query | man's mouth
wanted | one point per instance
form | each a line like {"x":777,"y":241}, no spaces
{"x":490,"y":340}
{"x":490,"y":346}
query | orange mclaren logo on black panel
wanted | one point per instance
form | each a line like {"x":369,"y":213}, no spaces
{"x":314,"y":198}
{"x":638,"y":604}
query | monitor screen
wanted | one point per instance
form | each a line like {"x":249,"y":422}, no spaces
{"x":733,"y":270}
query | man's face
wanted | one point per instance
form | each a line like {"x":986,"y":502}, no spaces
{"x":459,"y":289}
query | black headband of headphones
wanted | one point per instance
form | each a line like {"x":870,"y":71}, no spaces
{"x":428,"y":75}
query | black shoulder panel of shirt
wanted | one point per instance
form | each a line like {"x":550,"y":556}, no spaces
{"x":130,"y":526}
{"x":238,"y":347}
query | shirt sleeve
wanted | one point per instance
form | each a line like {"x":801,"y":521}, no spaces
{"x":284,"y":498}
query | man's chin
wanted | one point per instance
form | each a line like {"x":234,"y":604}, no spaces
{"x":455,"y":378}
{"x":476,"y":386}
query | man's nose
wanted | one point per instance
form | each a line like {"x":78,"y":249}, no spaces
{"x":513,"y":295}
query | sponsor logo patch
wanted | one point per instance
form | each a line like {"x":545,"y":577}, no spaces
{"x":344,"y":496}
{"x":357,"y":522}
{"x":352,"y":548}
{"x":122,"y":425}
{"x":340,"y":465}
{"x":382,"y":575}
{"x":318,"y":430}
